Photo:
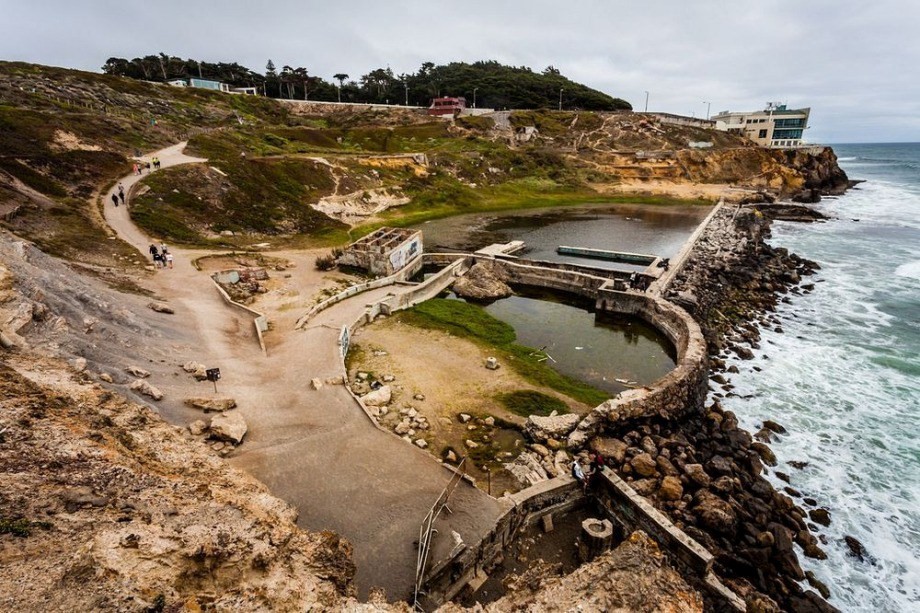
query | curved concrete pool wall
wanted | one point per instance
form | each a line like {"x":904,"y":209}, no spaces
{"x":681,"y":390}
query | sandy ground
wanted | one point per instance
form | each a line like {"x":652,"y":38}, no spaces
{"x":684,"y":190}
{"x":315,"y":449}
{"x":450,"y":373}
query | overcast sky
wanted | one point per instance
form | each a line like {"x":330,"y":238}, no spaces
{"x":854,"y":63}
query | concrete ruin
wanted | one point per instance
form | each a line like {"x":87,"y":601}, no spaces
{"x":384,"y":251}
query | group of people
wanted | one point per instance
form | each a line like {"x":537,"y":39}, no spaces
{"x":594,"y":470}
{"x":153,"y":164}
{"x":119,"y":196}
{"x":162,"y":258}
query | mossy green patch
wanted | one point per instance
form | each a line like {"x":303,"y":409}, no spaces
{"x":531,"y":402}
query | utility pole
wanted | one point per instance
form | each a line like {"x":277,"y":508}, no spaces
{"x":646,"y":102}
{"x":561,"y":89}
{"x":406,"y":85}
{"x":708,"y":104}
{"x":474,"y":97}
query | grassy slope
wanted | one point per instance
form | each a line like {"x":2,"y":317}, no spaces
{"x":472,"y":322}
{"x":265,"y":194}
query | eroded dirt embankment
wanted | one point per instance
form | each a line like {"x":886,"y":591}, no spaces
{"x":106,"y":507}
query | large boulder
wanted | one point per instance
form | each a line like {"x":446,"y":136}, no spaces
{"x":644,"y":465}
{"x":671,"y":488}
{"x":482,"y":282}
{"x":211,"y":404}
{"x":378,"y":397}
{"x":714,"y":513}
{"x":554,"y":427}
{"x":611,"y":448}
{"x":230,"y":427}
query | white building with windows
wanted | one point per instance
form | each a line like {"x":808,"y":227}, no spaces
{"x":776,"y":126}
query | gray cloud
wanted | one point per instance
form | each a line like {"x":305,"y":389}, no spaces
{"x":853,"y":62}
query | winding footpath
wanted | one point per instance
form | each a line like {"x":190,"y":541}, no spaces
{"x":314,"y":448}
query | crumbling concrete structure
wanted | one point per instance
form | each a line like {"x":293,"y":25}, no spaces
{"x":384,"y":251}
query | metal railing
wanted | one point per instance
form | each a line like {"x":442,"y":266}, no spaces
{"x":427,"y":530}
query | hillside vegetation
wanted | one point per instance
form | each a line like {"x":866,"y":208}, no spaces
{"x":294,"y":173}
{"x":495,"y":85}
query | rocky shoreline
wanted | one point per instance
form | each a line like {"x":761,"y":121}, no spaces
{"x":705,"y":471}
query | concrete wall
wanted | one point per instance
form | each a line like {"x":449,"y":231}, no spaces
{"x":258,"y":319}
{"x":628,"y":510}
{"x":681,"y":390}
{"x":406,"y":273}
{"x":559,"y":495}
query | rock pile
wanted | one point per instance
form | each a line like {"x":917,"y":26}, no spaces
{"x":484,"y":281}
{"x":706,"y":474}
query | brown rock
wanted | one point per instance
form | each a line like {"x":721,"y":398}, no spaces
{"x":143,"y":387}
{"x":644,"y":465}
{"x":714,"y":513}
{"x":785,"y":554}
{"x":697,"y":474}
{"x":211,"y":404}
{"x":766,"y":454}
{"x":644,"y":487}
{"x":671,"y":488}
{"x":820,"y":516}
{"x":159,"y":307}
{"x":611,"y":448}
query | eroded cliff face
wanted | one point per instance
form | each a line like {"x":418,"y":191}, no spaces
{"x":104,"y":506}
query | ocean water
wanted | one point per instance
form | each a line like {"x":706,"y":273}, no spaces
{"x":844,"y":379}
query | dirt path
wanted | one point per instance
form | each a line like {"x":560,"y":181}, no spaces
{"x":314,"y":448}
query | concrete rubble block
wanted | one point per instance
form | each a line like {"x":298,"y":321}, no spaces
{"x":335,"y":380}
{"x":464,"y":417}
{"x":378,"y":397}
{"x":316,"y":383}
{"x":422,"y":443}
{"x":143,"y":387}
{"x":106,"y":377}
{"x":492,"y":363}
{"x":211,"y":404}
{"x":229,"y":427}
{"x":136,"y":371}
{"x":542,"y":429}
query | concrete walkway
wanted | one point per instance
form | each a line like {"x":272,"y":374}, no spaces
{"x":315,"y":449}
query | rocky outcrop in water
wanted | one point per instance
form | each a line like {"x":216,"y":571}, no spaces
{"x":484,"y":281}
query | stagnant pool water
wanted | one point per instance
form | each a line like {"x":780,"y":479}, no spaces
{"x":652,"y":229}
{"x":609,"y":352}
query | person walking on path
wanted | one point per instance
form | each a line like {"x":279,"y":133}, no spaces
{"x":169,"y":260}
{"x":121,"y":193}
{"x":136,"y":169}
{"x":115,"y":199}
